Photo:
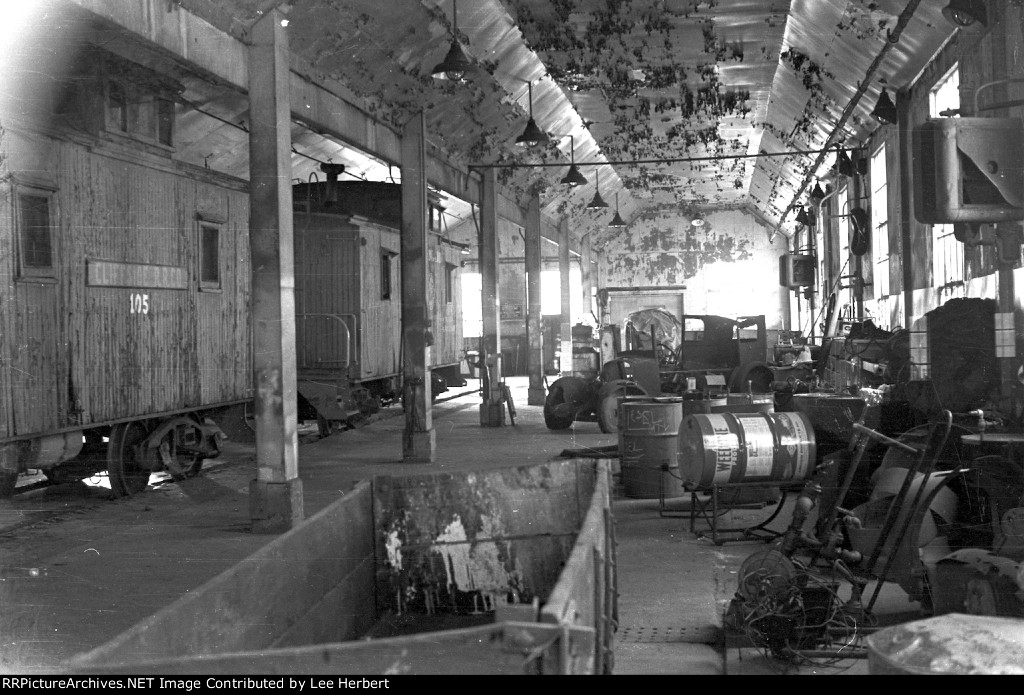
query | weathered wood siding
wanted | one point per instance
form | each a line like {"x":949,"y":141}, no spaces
{"x":327,"y":278}
{"x":77,"y":354}
{"x":380,"y":340}
{"x":338,"y":272}
{"x":446,"y":315}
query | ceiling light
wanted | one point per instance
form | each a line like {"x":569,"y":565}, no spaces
{"x":573,"y":177}
{"x":844,"y":165}
{"x":617,"y":221}
{"x":802,"y":218}
{"x":532,"y":135}
{"x":964,"y":13}
{"x":598,"y":201}
{"x":698,"y":220}
{"x":455,"y":64}
{"x":885,"y":110}
{"x":817,"y":195}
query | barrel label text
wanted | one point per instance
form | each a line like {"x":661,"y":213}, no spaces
{"x":757,"y":433}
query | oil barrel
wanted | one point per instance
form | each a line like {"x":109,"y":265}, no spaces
{"x":649,"y":447}
{"x":719,"y":448}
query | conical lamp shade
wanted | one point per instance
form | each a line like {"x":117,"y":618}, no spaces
{"x":574,"y":177}
{"x":617,"y":221}
{"x":885,"y":110}
{"x":817,"y":195}
{"x":454,"y":65}
{"x":598,"y":201}
{"x":532,"y":135}
{"x":844,"y":165}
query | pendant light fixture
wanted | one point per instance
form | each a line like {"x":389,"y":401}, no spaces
{"x":598,"y":202}
{"x":698,"y":220}
{"x":844,"y":165}
{"x":532,"y":135}
{"x":802,"y":218}
{"x":817,"y":195}
{"x":884,"y":111}
{"x":455,"y":64}
{"x":573,"y":177}
{"x":617,"y":221}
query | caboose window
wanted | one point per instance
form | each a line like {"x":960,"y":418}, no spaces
{"x":209,"y":256}
{"x":140,"y":103}
{"x":385,"y":275}
{"x":35,"y":234}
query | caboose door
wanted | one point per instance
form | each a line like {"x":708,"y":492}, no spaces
{"x":36,"y":397}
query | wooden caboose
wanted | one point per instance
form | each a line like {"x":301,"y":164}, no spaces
{"x":348,"y":297}
{"x":125,"y":279}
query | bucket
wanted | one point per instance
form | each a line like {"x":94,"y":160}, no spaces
{"x":649,"y":447}
{"x":719,"y":448}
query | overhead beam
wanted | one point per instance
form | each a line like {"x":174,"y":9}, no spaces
{"x":202,"y":34}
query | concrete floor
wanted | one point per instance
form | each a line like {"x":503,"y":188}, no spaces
{"x":77,"y":568}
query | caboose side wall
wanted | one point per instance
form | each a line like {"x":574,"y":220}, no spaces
{"x":123,"y":331}
{"x":380,"y":338}
{"x":445,"y":309}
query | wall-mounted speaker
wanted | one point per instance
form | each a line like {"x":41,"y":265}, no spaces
{"x":968,"y":170}
{"x":796,"y":270}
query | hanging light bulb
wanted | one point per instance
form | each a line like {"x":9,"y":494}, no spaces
{"x":455,"y":64}
{"x":817,"y":195}
{"x":573,"y":177}
{"x":532,"y":135}
{"x":597,"y":202}
{"x":617,"y":221}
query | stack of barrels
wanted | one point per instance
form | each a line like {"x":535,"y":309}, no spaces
{"x":669,"y":446}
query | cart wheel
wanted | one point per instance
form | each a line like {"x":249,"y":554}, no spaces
{"x":128,"y":474}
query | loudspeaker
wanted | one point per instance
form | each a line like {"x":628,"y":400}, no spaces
{"x":796,"y":270}
{"x":968,"y":170}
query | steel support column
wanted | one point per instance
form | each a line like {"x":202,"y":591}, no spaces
{"x":534,"y":331}
{"x":275,"y":496}
{"x":492,"y":410}
{"x":418,"y":440}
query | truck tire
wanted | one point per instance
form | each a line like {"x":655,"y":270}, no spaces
{"x":554,"y":419}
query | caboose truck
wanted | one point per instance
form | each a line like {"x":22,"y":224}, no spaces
{"x":125,"y":275}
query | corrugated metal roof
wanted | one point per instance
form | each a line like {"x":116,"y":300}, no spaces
{"x":660,"y":95}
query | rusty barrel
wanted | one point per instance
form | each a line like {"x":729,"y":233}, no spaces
{"x":719,"y":448}
{"x":649,"y":447}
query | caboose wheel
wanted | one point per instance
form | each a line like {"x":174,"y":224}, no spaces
{"x":128,"y":475}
